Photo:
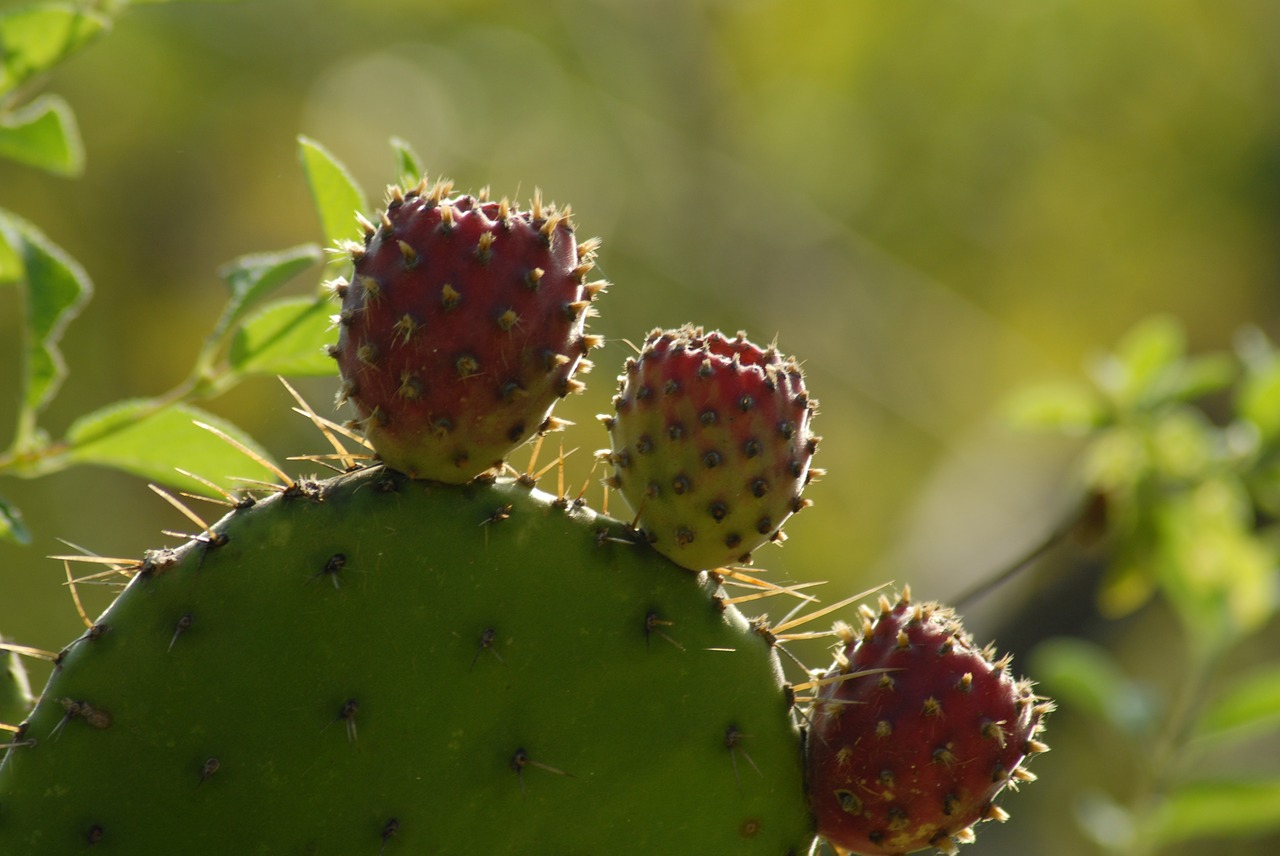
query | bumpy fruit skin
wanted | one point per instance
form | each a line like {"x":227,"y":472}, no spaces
{"x":462,"y":325}
{"x":910,"y":751}
{"x":711,"y":444}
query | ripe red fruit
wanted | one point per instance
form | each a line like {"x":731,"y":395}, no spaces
{"x":462,"y":325}
{"x":711,"y":444}
{"x":914,"y":734}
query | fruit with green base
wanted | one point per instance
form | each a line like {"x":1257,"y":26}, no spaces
{"x":461,"y":326}
{"x":711,"y":444}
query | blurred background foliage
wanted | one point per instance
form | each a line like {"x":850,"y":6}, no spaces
{"x":932,"y":203}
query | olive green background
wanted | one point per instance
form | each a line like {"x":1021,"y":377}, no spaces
{"x":929,"y":202}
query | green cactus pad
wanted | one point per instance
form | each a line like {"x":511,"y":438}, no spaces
{"x":373,"y":665}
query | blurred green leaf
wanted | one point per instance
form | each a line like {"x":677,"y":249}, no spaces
{"x":136,"y":437}
{"x":1132,"y":374}
{"x":1128,"y":584}
{"x":1199,"y":376}
{"x":1254,"y":348}
{"x":10,"y":261}
{"x":15,"y":689}
{"x":1219,"y":577}
{"x":287,"y":337}
{"x":57,"y":289}
{"x":1258,"y":401}
{"x":1084,"y":675}
{"x":1230,"y":809}
{"x":1252,"y":705}
{"x":1071,"y":408}
{"x":408,"y":164}
{"x":1264,"y":485}
{"x":336,"y":195}
{"x":35,"y":38}
{"x":1117,"y":459}
{"x":255,"y":276}
{"x":1183,"y":444}
{"x":43,"y":134}
{"x":12,"y":527}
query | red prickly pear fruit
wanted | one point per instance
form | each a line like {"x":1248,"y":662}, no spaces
{"x":462,"y":325}
{"x":711,"y":444}
{"x":915,"y":732}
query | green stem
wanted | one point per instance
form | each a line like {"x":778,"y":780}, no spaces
{"x":1064,"y":529}
{"x":27,"y":458}
{"x":1157,"y":774}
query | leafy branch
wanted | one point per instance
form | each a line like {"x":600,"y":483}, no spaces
{"x":1183,"y":453}
{"x":256,"y":333}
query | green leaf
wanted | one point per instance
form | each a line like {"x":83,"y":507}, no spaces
{"x":1219,"y":577}
{"x":1117,"y":459}
{"x":1259,"y":399}
{"x":57,"y":289}
{"x":253,"y":277}
{"x":287,"y":337}
{"x":15,"y":688}
{"x":141,"y":437}
{"x":336,"y":195}
{"x":1254,"y":349}
{"x":1251,"y":706}
{"x":44,"y":135}
{"x":10,"y":261}
{"x":1136,"y":372}
{"x":1071,"y":408}
{"x":1183,"y":444}
{"x":1084,"y":675}
{"x":1128,"y":584}
{"x":1199,"y":376}
{"x":408,"y":164}
{"x":12,"y":527}
{"x":1227,"y":809}
{"x":35,"y":38}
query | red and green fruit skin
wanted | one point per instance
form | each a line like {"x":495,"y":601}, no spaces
{"x":462,"y":325}
{"x":711,"y":444}
{"x":915,"y":733}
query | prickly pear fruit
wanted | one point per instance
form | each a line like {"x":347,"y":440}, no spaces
{"x":711,"y":444}
{"x":461,"y":326}
{"x":380,"y":666}
{"x":914,"y":734}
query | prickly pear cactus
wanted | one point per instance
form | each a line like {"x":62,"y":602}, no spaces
{"x":379,"y":665}
{"x":425,"y":656}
